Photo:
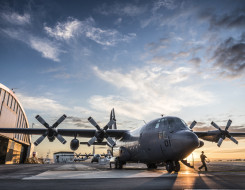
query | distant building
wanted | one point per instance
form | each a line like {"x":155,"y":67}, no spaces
{"x":14,"y":148}
{"x":63,"y":157}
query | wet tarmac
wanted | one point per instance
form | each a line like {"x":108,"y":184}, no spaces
{"x":84,"y":175}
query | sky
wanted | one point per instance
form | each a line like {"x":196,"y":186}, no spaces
{"x":144,"y":58}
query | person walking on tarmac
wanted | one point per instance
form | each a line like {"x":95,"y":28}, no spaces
{"x":203,"y":157}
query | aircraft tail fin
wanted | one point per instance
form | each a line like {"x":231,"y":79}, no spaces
{"x":113,"y":116}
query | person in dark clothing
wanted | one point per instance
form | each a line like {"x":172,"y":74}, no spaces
{"x":203,"y":157}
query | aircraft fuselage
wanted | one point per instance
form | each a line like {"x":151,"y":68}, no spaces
{"x":161,"y":140}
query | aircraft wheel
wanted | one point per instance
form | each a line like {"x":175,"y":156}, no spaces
{"x":169,"y":167}
{"x":177,"y":167}
{"x":151,"y":166}
{"x":118,"y":164}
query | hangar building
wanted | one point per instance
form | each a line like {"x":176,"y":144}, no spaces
{"x":13,"y":147}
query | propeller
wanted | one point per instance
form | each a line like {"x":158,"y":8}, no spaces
{"x":224,"y":133}
{"x":193,"y":124}
{"x":51,"y":132}
{"x":77,"y":155}
{"x":100,"y":134}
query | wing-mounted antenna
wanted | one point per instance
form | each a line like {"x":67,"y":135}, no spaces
{"x":113,"y":117}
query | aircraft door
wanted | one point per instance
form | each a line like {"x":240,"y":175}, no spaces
{"x":164,"y":135}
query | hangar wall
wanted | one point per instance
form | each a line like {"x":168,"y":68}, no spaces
{"x":13,"y":147}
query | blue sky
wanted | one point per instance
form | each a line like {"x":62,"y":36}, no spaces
{"x":144,"y":58}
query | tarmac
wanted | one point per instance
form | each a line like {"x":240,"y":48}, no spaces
{"x":85,"y":175}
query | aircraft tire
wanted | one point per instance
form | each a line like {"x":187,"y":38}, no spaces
{"x":177,"y":167}
{"x":151,"y":166}
{"x":169,"y":167}
{"x":118,"y":164}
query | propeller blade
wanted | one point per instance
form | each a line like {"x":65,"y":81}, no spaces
{"x":193,"y":124}
{"x":233,"y":139}
{"x":60,"y":138}
{"x":61,"y":119}
{"x":215,"y":125}
{"x":220,"y":142}
{"x":93,"y":122}
{"x":40,"y":139}
{"x":42,"y":121}
{"x":110,"y":141}
{"x":228,"y":125}
{"x":109,"y":124}
{"x":91,"y":141}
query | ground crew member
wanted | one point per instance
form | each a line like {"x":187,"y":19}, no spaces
{"x":203,"y":157}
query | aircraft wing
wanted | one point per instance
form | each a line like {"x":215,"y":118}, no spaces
{"x":214,"y":136}
{"x":218,"y":135}
{"x":65,"y":132}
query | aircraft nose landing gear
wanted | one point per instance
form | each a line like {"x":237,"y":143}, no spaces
{"x":172,"y":166}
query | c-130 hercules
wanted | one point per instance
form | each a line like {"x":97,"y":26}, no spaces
{"x":165,"y":140}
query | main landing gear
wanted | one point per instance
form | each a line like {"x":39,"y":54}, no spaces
{"x":119,"y":164}
{"x":151,"y":166}
{"x":172,"y":166}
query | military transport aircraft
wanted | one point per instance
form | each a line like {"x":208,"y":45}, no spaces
{"x":164,"y":140}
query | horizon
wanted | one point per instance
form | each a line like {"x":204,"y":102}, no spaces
{"x":143,"y":58}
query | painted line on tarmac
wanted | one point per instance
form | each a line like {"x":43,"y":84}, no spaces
{"x":107,"y":174}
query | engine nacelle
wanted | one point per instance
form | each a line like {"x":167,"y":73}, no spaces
{"x":74,"y":144}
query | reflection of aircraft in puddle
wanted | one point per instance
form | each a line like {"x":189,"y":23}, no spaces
{"x":165,"y":140}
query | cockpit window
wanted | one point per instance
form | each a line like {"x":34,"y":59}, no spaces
{"x":184,"y":123}
{"x":176,"y":124}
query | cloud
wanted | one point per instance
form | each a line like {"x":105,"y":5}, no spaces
{"x":229,"y":57}
{"x":15,"y":18}
{"x":54,"y":69}
{"x":118,"y":21}
{"x":179,"y":55}
{"x":168,"y":59}
{"x":65,"y":30}
{"x":234,"y":19}
{"x":150,"y":90}
{"x":73,"y":27}
{"x":50,"y":108}
{"x":120,"y":9}
{"x":63,"y":75}
{"x":47,"y":48}
{"x":78,"y":122}
{"x":154,"y":47}
{"x":196,"y":61}
{"x":161,"y":60}
{"x":41,"y":104}
{"x":169,"y":4}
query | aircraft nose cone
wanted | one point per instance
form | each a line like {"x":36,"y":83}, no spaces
{"x":184,"y":142}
